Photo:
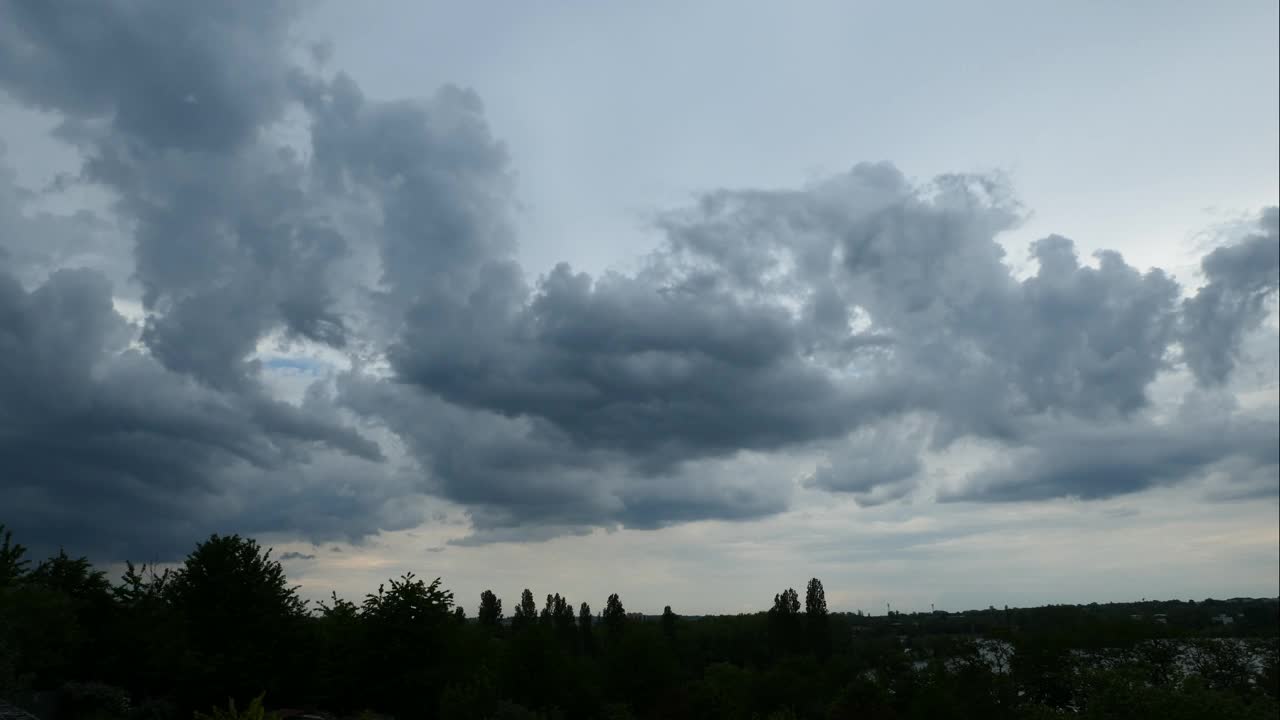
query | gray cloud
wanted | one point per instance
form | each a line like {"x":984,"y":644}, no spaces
{"x":170,"y":104}
{"x":297,"y":556}
{"x":865,"y":317}
{"x":178,"y":75}
{"x":1241,"y":279}
{"x":104,"y":448}
{"x":1090,"y":461}
{"x":34,"y":244}
{"x":523,"y":478}
{"x":875,"y":465}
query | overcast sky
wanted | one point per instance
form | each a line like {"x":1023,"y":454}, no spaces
{"x":943,"y":304}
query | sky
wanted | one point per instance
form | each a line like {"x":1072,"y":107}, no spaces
{"x":946,"y":305}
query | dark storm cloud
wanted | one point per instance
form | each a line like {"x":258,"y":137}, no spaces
{"x":189,"y":75}
{"x":865,"y":317}
{"x":229,"y":247}
{"x":169,"y":104}
{"x":522,"y":477}
{"x":106,"y":450}
{"x":658,"y":371}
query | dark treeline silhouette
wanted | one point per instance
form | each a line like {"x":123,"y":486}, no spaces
{"x":226,"y":625}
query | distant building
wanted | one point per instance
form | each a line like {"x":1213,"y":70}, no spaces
{"x":1161,"y":618}
{"x":1223,"y":619}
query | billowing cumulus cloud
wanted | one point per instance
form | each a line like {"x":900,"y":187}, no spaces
{"x":1241,"y":282}
{"x":830,"y":337}
{"x":102,"y":444}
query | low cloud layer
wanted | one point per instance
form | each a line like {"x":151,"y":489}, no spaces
{"x":829,"y":337}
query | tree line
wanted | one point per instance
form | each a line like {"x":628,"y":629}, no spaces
{"x":226,"y":625}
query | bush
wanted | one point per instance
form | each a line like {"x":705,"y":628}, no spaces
{"x":255,"y":711}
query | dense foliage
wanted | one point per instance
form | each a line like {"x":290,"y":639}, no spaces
{"x":225,"y":629}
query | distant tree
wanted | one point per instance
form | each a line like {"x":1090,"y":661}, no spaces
{"x":410,"y":603}
{"x":141,"y":584}
{"x":338,"y":609}
{"x":783,"y":618}
{"x":459,"y":614}
{"x":668,"y":622}
{"x":557,"y":616}
{"x":13,"y":564}
{"x":787,"y":603}
{"x":562,"y":619}
{"x":815,"y":599}
{"x":614,"y":616}
{"x":816,"y":618}
{"x":526,"y":612}
{"x":584,"y":627}
{"x":490,"y":614}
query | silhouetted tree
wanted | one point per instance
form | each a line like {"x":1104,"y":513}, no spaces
{"x":147,"y":644}
{"x":240,"y":617}
{"x":490,"y":613}
{"x":409,"y":605}
{"x":141,"y":584}
{"x":74,"y":605}
{"x":13,"y":564}
{"x":815,"y":599}
{"x":562,"y":617}
{"x":783,"y":617}
{"x":562,"y":621}
{"x":615,"y":616}
{"x":584,"y":627}
{"x":73,"y":576}
{"x":403,"y":652}
{"x":668,"y":622}
{"x":343,"y":643}
{"x":787,"y":604}
{"x":526,"y":612}
{"x":816,"y":618}
{"x":409,"y":634}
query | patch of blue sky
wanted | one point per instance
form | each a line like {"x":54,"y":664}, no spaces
{"x":310,"y":366}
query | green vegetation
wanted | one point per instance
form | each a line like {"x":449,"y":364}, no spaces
{"x":255,"y":711}
{"x":225,"y":627}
